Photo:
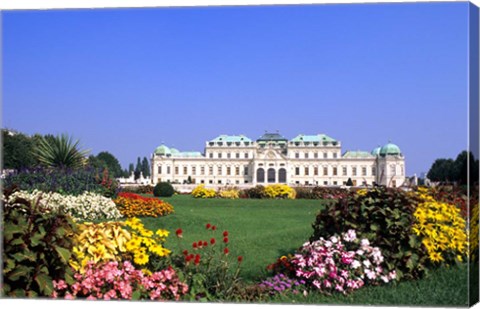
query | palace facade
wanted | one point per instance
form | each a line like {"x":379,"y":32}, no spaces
{"x":272,"y":158}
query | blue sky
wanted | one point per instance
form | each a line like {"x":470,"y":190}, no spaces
{"x":126,"y":80}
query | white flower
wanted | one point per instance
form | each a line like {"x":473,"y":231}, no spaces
{"x":367,"y":263}
{"x":350,"y":236}
{"x":355,"y":264}
{"x":334,"y":239}
{"x":365,"y":243}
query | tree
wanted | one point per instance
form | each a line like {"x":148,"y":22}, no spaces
{"x":349,"y":182}
{"x":442,"y":170}
{"x":17,"y":150}
{"x":466,"y":168}
{"x":145,"y":167}
{"x":111,"y":163}
{"x":60,"y":151}
{"x":138,"y":168}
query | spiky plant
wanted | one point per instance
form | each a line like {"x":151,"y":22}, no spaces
{"x":60,"y":151}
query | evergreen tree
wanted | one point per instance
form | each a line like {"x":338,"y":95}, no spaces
{"x":138,"y":168}
{"x":145,"y":167}
{"x":131,"y":169}
{"x":111,"y":163}
{"x":17,"y":150}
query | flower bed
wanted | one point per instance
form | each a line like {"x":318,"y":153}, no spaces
{"x":134,"y":205}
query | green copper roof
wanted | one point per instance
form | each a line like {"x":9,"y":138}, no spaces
{"x":231,"y":138}
{"x":271,"y":137}
{"x":376,"y":151}
{"x":162,"y":150}
{"x":313,"y":138}
{"x":357,"y":154}
{"x":390,"y":149}
{"x":174,"y":151}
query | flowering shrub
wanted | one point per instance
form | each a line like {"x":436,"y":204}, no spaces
{"x":133,"y":205}
{"x":279,"y":191}
{"x":112,"y":280}
{"x":320,"y":193}
{"x":340,"y":264}
{"x":473,"y":233}
{"x":390,"y":219}
{"x":201,"y":192}
{"x":231,"y":193}
{"x":441,"y":228}
{"x":87,"y":206}
{"x":207,"y":264}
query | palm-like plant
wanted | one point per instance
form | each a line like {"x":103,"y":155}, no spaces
{"x":60,"y":152}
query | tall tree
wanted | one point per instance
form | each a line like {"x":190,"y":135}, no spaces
{"x":145,"y":167}
{"x":110,"y":162}
{"x":138,"y":168}
{"x":442,"y":170}
{"x":131,"y":169}
{"x":17,"y":150}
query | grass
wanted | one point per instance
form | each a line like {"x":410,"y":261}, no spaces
{"x":263,"y":230}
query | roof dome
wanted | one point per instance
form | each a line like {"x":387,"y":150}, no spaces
{"x":162,"y":150}
{"x":174,"y":151}
{"x":390,"y":149}
{"x":376,"y":151}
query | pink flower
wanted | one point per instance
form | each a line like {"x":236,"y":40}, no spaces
{"x":69,"y":296}
{"x":327,"y":283}
{"x":91,"y":297}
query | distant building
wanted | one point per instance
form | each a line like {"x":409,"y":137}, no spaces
{"x":272,"y":158}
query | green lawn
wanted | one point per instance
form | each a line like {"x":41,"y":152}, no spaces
{"x":263,"y":230}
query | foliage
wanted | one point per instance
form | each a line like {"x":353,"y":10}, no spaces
{"x":384,"y":216}
{"x":279,"y":191}
{"x":208,"y":268}
{"x":17,"y":150}
{"x":112,"y":280}
{"x":147,"y":189}
{"x":442,"y":170}
{"x":473,"y":232}
{"x":133,"y":205}
{"x":340,"y":264}
{"x":282,"y":284}
{"x":60,"y":151}
{"x":73,"y":182}
{"x":230,"y":193}
{"x":105,"y":160}
{"x":163,"y":189}
{"x":201,"y":192}
{"x":320,"y":193}
{"x":460,"y":170}
{"x":145,"y":167}
{"x":36,"y":248}
{"x":255,"y":192}
{"x":87,"y":206}
{"x":109,"y":184}
{"x":441,"y":228}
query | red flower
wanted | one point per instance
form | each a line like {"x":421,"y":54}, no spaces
{"x":197,"y":259}
{"x":209,"y":226}
{"x":179,"y":232}
{"x":200,"y":244}
{"x":194,"y":245}
{"x":214,"y":228}
{"x":185,"y":252}
{"x":212,"y":241}
{"x":205,"y":243}
{"x":225,"y":234}
{"x":225,"y":240}
{"x":226,"y":251}
{"x":240,"y":259}
{"x":188,"y":258}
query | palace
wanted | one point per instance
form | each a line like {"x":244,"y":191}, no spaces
{"x":272,"y":158}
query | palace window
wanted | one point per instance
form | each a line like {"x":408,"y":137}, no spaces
{"x":297,"y":155}
{"x":315,"y":171}
{"x":237,"y":170}
{"x":334,"y":171}
{"x":185,"y":172}
{"x":335,"y":155}
{"x":228,"y":170}
{"x":219,"y":170}
{"x":315,"y":155}
{"x":393,"y":170}
{"x":168,"y":169}
{"x":364,"y":171}
{"x":344,"y":170}
{"x":325,"y":155}
{"x":246,"y":155}
{"x":325,"y":171}
{"x":210,"y":170}
{"x":202,"y":170}
{"x":159,"y":169}
{"x":297,"y":171}
{"x":219,"y":155}
{"x":237,"y":155}
{"x":245,"y":170}
{"x":306,"y":155}
{"x":228,"y":155}
{"x":210,"y":155}
{"x":176,"y":170}
{"x":306,"y":170}
{"x":374,"y":171}
{"x":354,"y":171}
{"x":194,"y":170}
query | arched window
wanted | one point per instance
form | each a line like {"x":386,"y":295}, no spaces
{"x":260,"y":175}
{"x":282,"y":175}
{"x":271,"y":175}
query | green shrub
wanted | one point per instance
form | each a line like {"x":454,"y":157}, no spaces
{"x":255,"y":192}
{"x":384,"y":216}
{"x":36,"y":249}
{"x":163,"y":189}
{"x":147,"y":189}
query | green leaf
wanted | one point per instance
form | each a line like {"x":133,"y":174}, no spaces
{"x":16,"y":242}
{"x":412,"y":241}
{"x":374,"y":227}
{"x":45,"y":284}
{"x":63,"y":253}
{"x":136,"y":295}
{"x":9,"y":266}
{"x":19,"y":272}
{"x":18,"y":293}
{"x":69,"y":278}
{"x":25,"y":255}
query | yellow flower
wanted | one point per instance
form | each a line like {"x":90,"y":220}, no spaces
{"x":162,"y":233}
{"x":140,"y":258}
